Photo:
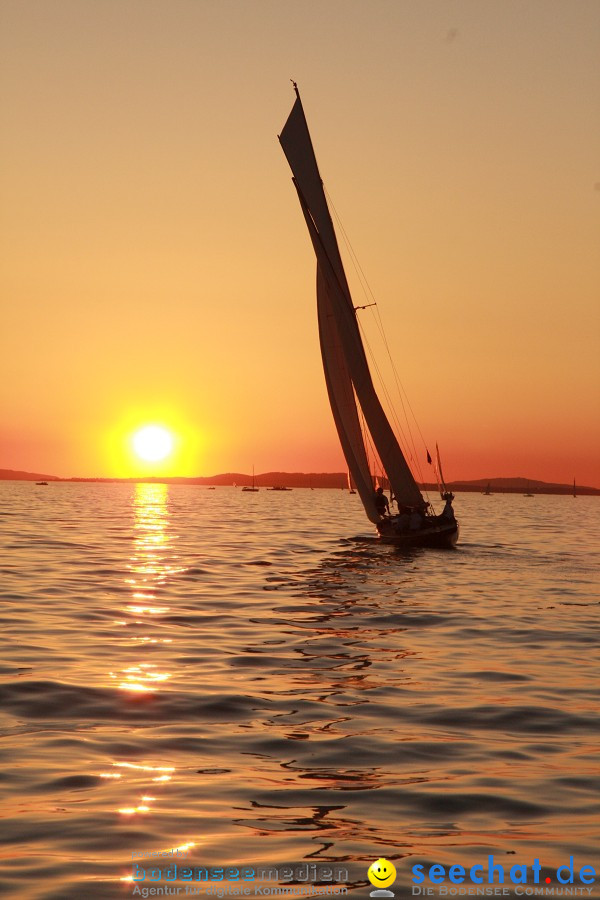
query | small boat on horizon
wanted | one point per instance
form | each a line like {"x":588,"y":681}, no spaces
{"x":359,"y":417}
{"x":39,"y":483}
{"x":253,"y":489}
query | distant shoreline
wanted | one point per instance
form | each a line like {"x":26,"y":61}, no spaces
{"x":331,"y":480}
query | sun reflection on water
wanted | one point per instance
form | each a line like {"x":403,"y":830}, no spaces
{"x":140,"y":775}
{"x":151,"y":564}
{"x":140,"y":678}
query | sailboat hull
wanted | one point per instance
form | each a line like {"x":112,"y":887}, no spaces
{"x":438,"y":535}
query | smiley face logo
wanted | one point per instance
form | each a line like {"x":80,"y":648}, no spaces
{"x":382,"y":873}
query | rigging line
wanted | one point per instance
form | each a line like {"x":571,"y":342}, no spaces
{"x":409,"y":442}
{"x":367,"y":290}
{"x":366,"y":287}
{"x":401,"y":391}
{"x":362,"y":278}
{"x":371,"y":452}
{"x":402,"y":395}
{"x":399,"y":385}
{"x":406,"y":444}
{"x":401,"y":435}
{"x":406,"y":449}
{"x":360,"y":272}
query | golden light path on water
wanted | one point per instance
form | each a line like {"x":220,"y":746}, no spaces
{"x":150,"y":571}
{"x":151,"y":564}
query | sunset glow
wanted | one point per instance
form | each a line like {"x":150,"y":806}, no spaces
{"x":150,"y":220}
{"x":149,"y":441}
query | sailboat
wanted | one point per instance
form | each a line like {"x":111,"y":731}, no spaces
{"x":528,"y":493}
{"x":574,"y":489}
{"x":347,"y":376}
{"x":252,"y":489}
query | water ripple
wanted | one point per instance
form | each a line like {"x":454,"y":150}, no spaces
{"x":291,"y":689}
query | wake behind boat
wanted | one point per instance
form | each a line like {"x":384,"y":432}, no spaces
{"x":350,"y":387}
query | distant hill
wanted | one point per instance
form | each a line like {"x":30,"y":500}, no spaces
{"x":14,"y":475}
{"x":318,"y":480}
{"x":518,"y":486}
{"x":266,"y":479}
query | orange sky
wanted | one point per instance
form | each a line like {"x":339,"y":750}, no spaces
{"x":156,"y":268}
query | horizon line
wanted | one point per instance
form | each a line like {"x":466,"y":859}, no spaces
{"x":500,"y":483}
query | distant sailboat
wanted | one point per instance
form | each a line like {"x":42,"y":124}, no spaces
{"x":350,"y":485}
{"x":253,"y":489}
{"x":347,"y":376}
{"x":528,"y":494}
{"x":574,"y":489}
{"x":487,"y":491}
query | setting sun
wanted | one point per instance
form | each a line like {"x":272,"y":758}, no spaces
{"x":153,"y":443}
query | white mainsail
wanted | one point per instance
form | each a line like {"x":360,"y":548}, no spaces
{"x":346,"y":369}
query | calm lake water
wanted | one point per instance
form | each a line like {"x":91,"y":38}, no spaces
{"x":255,"y":678}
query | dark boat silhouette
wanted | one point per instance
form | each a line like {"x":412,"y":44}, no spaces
{"x":358,"y":415}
